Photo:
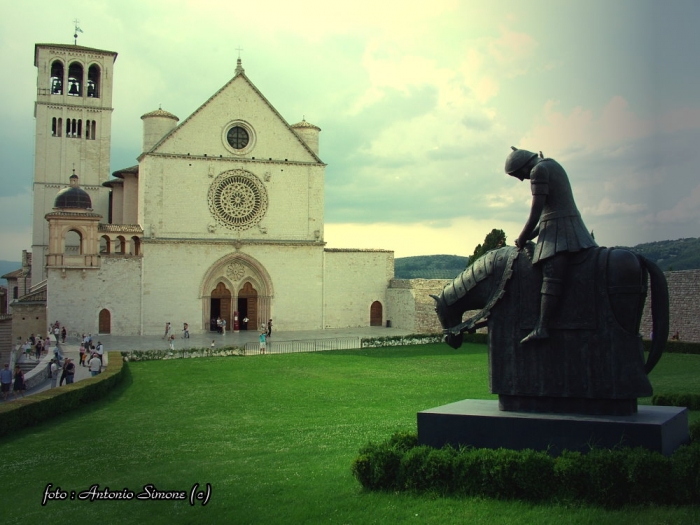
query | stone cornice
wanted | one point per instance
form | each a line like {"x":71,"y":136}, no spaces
{"x":236,"y":243}
{"x":355,"y":250}
{"x":58,"y":105}
{"x":231,"y":159}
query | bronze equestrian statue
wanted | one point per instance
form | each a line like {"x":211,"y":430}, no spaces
{"x":563,"y":314}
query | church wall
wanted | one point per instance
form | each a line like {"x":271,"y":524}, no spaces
{"x":77,"y":299}
{"x":203,"y":132}
{"x":174,"y":274}
{"x":353,"y":280}
{"x":412,"y":305}
{"x":173,"y":199}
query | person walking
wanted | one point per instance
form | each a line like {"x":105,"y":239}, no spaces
{"x":5,"y":381}
{"x":38,"y":347}
{"x":263,"y":343}
{"x":82,"y":354}
{"x":19,"y":385}
{"x":70,"y":371}
{"x":95,"y":365}
{"x":54,"y":368}
{"x":269,"y":328}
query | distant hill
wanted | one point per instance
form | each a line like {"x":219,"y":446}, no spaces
{"x":681,"y":254}
{"x":7,"y":267}
{"x":429,"y":266}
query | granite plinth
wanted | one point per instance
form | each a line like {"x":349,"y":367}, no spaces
{"x":480,"y":423}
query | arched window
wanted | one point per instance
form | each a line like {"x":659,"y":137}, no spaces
{"x":75,"y":80}
{"x":93,"y":81}
{"x":57,"y":77}
{"x":104,"y":244}
{"x":15,"y":292}
{"x":59,"y":127}
{"x":93,"y":135}
{"x":73,"y":243}
{"x":120,"y":246}
{"x":80,"y":127}
{"x":55,"y":130}
{"x":135,"y":246}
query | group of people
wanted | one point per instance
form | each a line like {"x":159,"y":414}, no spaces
{"x":6,"y":382}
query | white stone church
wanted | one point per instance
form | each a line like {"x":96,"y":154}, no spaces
{"x":223,"y":214}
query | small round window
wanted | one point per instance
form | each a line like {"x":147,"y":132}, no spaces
{"x":237,"y":137}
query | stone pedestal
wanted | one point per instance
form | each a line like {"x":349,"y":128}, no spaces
{"x":479,"y":423}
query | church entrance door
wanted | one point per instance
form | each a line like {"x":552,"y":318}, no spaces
{"x":375,"y":314}
{"x":248,"y":307}
{"x":105,"y":322}
{"x":220,"y":306}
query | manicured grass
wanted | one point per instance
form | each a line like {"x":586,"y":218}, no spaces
{"x":275,"y":437}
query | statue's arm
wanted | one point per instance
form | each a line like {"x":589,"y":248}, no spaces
{"x":530,"y":229}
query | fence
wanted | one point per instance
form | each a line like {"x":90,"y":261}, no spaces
{"x":317,"y":345}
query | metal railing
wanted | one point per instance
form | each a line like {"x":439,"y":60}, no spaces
{"x":291,"y":347}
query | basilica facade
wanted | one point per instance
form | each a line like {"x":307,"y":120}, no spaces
{"x":222,"y":216}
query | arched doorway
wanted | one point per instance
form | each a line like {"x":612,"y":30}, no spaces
{"x":375,"y":314}
{"x":248,"y":306}
{"x":220,"y":306}
{"x":105,"y":322}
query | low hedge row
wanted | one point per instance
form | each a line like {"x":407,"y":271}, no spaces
{"x":609,"y":478}
{"x":676,"y":347}
{"x":39,"y":407}
{"x":183,"y":353}
{"x":690,"y":401}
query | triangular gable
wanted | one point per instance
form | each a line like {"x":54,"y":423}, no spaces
{"x":239,"y":99}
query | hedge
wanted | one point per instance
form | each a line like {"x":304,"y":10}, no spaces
{"x":610,"y":478}
{"x":39,"y":407}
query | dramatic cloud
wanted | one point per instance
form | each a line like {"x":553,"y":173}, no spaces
{"x":418,"y":104}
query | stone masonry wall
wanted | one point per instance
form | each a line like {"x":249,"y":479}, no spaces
{"x":684,"y":293}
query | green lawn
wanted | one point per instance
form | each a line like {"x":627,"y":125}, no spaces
{"x":275,"y":437}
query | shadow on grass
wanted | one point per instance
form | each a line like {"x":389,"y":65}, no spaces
{"x":392,"y":352}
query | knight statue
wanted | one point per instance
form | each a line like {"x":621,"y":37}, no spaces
{"x":557,"y":224}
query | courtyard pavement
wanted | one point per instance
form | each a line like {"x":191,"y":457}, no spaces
{"x":203,"y":340}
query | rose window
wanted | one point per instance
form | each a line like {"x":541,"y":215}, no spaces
{"x":237,"y":199}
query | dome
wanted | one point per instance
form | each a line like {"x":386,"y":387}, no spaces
{"x":73,"y":197}
{"x":303,"y":124}
{"x":160,"y":113}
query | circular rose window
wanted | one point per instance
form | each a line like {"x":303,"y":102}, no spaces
{"x":237,"y":199}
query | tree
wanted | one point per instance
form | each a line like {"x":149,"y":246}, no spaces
{"x":493,"y":240}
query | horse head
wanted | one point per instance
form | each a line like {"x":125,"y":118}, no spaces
{"x":448,"y":320}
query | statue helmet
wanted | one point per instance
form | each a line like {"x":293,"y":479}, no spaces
{"x":517,"y":159}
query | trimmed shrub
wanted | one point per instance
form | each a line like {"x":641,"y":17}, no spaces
{"x":675,"y":347}
{"x":39,"y":407}
{"x":690,"y":401}
{"x":610,"y":478}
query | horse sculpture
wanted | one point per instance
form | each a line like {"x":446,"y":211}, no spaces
{"x":593,"y":361}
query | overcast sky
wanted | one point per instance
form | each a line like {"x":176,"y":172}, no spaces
{"x":418,"y":102}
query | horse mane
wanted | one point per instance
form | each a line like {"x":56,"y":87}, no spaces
{"x":499,"y":260}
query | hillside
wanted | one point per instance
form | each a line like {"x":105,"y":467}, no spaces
{"x":429,"y":266}
{"x":7,"y":267}
{"x":680,"y":254}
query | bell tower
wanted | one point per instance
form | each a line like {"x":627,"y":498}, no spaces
{"x":73,"y":113}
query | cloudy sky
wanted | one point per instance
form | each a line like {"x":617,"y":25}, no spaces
{"x":419,"y":103}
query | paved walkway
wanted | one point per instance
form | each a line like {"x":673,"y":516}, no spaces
{"x":154,"y":342}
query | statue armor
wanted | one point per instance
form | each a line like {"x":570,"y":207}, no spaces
{"x":561,"y":228}
{"x":517,"y":159}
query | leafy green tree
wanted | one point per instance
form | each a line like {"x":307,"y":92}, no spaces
{"x":493,"y":240}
